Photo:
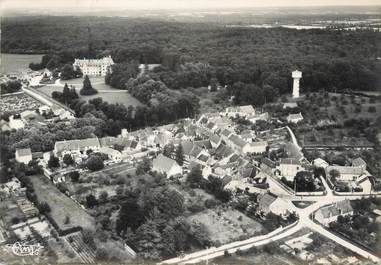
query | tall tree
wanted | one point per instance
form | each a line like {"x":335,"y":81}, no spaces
{"x":87,"y":88}
{"x":180,"y":155}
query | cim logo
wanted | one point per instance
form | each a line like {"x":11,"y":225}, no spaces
{"x":20,"y":249}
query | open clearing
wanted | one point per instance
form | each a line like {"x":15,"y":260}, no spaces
{"x":107,"y":93}
{"x":61,"y":205}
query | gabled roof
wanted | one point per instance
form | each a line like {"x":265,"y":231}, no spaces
{"x":265,"y":200}
{"x":163,"y":163}
{"x":110,"y":141}
{"x":268,"y":162}
{"x":76,"y":144}
{"x":187,"y":147}
{"x":214,"y":138}
{"x":204,"y":144}
{"x":196,"y":150}
{"x":226,"y":133}
{"x":339,"y":208}
{"x":248,"y":172}
{"x":203,"y":158}
{"x":23,"y":152}
{"x":345,"y":170}
{"x":289,"y":161}
{"x":295,"y":116}
{"x":260,"y":143}
{"x":290,"y":105}
{"x":223,"y":151}
{"x":210,"y":125}
{"x":358,"y":162}
{"x":235,"y":139}
{"x":247,"y":109}
{"x":109,"y":151}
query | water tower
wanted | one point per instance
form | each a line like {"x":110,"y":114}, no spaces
{"x":296,"y":75}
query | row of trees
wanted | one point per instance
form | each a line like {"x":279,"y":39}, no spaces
{"x":248,"y":55}
{"x":151,"y":220}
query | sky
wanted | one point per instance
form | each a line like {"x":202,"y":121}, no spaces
{"x":173,"y":4}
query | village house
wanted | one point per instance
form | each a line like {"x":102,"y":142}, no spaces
{"x":75,"y":146}
{"x":4,"y":126}
{"x":346,"y":173}
{"x":15,"y":122}
{"x":23,"y":155}
{"x":166,"y":165}
{"x":290,"y":105}
{"x":294,"y":118}
{"x":268,"y":166}
{"x":259,"y":117}
{"x":288,"y":168}
{"x":365,"y":183}
{"x":44,"y":109}
{"x":270,"y":203}
{"x":330,"y":213}
{"x":242,"y":111}
{"x":318,"y":162}
{"x":111,"y":153}
{"x":359,"y":162}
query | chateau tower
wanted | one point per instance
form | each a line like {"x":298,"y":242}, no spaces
{"x":296,"y":75}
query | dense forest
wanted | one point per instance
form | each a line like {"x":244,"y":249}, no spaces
{"x":197,"y":54}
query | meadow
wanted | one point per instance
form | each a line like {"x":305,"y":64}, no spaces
{"x":12,"y":63}
{"x":106,"y":92}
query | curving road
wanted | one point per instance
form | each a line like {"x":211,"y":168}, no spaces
{"x":304,"y":221}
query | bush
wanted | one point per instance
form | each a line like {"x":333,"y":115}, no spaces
{"x":95,"y":163}
{"x":372,"y":109}
{"x":87,"y":88}
{"x":210,"y":203}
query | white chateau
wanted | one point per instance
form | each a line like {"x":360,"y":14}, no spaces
{"x":97,"y":67}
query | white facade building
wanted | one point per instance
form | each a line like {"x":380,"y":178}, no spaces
{"x":94,"y":67}
{"x":23,"y":155}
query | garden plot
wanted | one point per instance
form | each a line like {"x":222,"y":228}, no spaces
{"x":225,"y":226}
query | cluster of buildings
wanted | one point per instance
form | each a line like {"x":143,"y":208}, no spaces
{"x":18,"y":215}
{"x":42,"y":115}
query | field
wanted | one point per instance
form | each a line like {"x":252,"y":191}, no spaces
{"x":61,"y":205}
{"x":12,"y":63}
{"x":106,"y":92}
{"x":227,"y":225}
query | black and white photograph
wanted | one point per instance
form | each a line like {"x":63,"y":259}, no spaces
{"x":165,"y":132}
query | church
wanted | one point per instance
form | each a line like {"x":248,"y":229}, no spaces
{"x":94,"y":67}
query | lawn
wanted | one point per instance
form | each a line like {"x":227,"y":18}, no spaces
{"x":107,"y":93}
{"x":61,"y":205}
{"x":227,"y":225}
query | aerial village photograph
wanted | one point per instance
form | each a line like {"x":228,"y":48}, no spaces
{"x":190,"y":132}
